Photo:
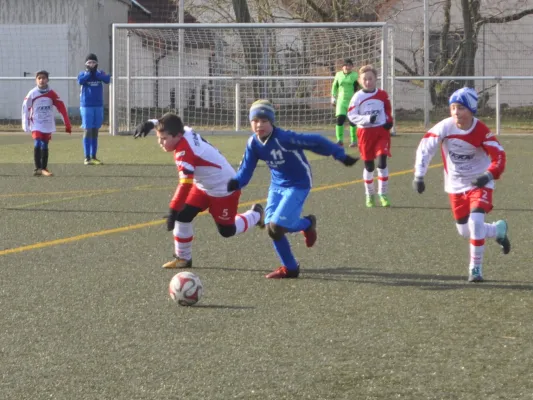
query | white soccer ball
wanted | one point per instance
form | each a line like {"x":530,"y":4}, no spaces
{"x":186,"y":288}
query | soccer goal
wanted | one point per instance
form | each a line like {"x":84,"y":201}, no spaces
{"x":210,"y":74}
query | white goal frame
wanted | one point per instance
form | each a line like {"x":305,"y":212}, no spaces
{"x":115,"y":127}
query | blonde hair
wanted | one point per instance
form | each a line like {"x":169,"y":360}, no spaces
{"x":368,"y":68}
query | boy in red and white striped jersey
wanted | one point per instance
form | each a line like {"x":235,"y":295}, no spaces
{"x":473,"y":158}
{"x":371,"y":111}
{"x":38,"y":118}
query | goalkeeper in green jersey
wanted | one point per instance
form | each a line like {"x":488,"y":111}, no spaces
{"x":342,"y":91}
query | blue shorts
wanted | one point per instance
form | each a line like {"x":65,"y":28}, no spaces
{"x":92,"y":117}
{"x":285,"y":206}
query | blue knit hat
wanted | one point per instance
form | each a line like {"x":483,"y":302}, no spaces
{"x":465,"y":96}
{"x":263,"y":109}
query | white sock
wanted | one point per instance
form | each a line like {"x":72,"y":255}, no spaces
{"x":476,"y":224}
{"x":490,"y":230}
{"x":183,"y":236}
{"x":246,"y":221}
{"x":368,"y":177}
{"x":383,"y":180}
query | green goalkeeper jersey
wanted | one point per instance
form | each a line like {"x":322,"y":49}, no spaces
{"x":344,"y":86}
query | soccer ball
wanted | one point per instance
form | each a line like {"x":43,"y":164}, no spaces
{"x":185,"y":288}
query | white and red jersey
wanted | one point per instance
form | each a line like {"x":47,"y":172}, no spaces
{"x":200,"y":163}
{"x":466,"y":154}
{"x":38,"y":112}
{"x":363,"y":105}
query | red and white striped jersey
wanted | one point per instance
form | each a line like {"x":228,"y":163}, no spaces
{"x":38,"y":112}
{"x":209,"y":167}
{"x":363,"y":105}
{"x":465,"y":154}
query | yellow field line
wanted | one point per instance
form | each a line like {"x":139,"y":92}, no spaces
{"x":56,"y":242}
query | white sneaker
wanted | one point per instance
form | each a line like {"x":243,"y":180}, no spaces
{"x":475,"y":274}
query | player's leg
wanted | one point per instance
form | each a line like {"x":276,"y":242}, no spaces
{"x":368,"y":179}
{"x":353,"y":134}
{"x":44,"y":154}
{"x":460,"y":206}
{"x":224,"y":211}
{"x":383,"y":152}
{"x":98,"y":119}
{"x":87,"y":132}
{"x":368,"y":154}
{"x":197,"y":201}
{"x":339,"y":129}
{"x":37,"y":154}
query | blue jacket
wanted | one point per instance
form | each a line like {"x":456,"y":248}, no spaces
{"x":92,"y":88}
{"x":283,"y":153}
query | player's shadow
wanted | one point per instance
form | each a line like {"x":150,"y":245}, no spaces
{"x":423,"y":281}
{"x":223,"y":307}
{"x":448,"y":208}
{"x":50,"y":210}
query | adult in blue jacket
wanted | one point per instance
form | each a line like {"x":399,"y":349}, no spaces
{"x":92,"y":106}
{"x":291,"y":180}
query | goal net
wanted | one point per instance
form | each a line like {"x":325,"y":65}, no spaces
{"x":210,"y":74}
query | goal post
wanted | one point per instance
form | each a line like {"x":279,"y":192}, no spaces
{"x":211,"y":73}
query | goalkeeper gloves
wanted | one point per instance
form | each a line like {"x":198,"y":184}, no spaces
{"x":143,"y":129}
{"x":349,"y":160}
{"x":373,"y":118}
{"x":333,"y":101}
{"x":388,"y":126}
{"x":233,"y":185}
{"x":418,"y":184}
{"x":482,"y":179}
{"x":171,"y":219}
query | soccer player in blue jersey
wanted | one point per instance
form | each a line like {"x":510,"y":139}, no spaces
{"x":291,"y":180}
{"x":92,"y":106}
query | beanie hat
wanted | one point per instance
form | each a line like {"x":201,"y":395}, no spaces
{"x":91,"y":57}
{"x":263,"y":109}
{"x":465,"y":96}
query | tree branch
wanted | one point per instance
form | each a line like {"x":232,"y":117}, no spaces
{"x":508,"y":18}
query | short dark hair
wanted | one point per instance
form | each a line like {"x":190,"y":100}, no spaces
{"x":171,"y":124}
{"x":42,"y":72}
{"x":348,"y":61}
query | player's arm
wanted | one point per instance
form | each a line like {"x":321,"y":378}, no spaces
{"x":498,"y":160}
{"x":317,"y":144}
{"x":144,"y":128}
{"x":334,"y":90}
{"x":83,"y":77}
{"x":246,"y":169}
{"x":26,"y":113}
{"x":354,"y":113}
{"x":356,"y":85}
{"x":424,"y":153}
{"x":58,"y":103}
{"x":185,"y":182}
{"x":388,"y":113}
{"x":101,"y":75}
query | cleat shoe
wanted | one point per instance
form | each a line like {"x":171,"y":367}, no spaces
{"x":384,"y":199}
{"x":88,"y":161}
{"x":283,"y":272}
{"x":370,"y":201}
{"x":475,"y":274}
{"x":340,"y":143}
{"x":259,"y":208}
{"x":501,"y":236}
{"x":45,"y":172}
{"x":37,"y":172}
{"x":353,"y":144}
{"x":310,"y":233}
{"x":96,"y":161}
{"x":178,"y":263}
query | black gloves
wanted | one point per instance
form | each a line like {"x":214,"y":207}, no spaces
{"x":388,"y":126}
{"x":373,"y":118}
{"x":171,"y":219}
{"x":349,"y":160}
{"x":418,"y":184}
{"x":482,"y":179}
{"x":143,"y":129}
{"x":233,"y":184}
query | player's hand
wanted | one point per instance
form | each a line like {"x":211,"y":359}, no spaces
{"x":349,"y":160}
{"x":143,"y":129}
{"x":388,"y":126}
{"x":333,"y":101}
{"x":68,"y":129}
{"x":373,"y":118}
{"x":171,"y":219}
{"x":482,"y":179}
{"x":418,"y":184}
{"x":233,"y":185}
